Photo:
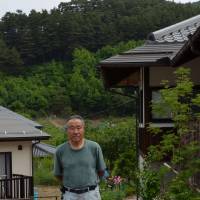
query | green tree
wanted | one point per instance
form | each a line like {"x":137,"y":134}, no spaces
{"x":84,"y":86}
{"x":43,"y":36}
{"x":10,"y":61}
{"x":179,"y":143}
{"x":115,"y":137}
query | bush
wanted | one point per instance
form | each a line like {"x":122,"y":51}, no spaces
{"x":125,"y":166}
{"x":115,"y":136}
{"x":43,"y":168}
{"x":112,"y":195}
{"x":129,"y":190}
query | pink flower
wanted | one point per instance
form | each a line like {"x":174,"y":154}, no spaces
{"x":117,"y":180}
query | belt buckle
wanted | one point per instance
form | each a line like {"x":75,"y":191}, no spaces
{"x":79,"y":191}
{"x":83,"y":190}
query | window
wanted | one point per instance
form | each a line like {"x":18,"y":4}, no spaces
{"x":5,"y":165}
{"x":159,"y":115}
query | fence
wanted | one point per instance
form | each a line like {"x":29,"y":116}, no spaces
{"x":17,"y":187}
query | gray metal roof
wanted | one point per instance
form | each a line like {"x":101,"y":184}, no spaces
{"x":16,"y":127}
{"x":176,"y":33}
{"x":8,"y":114}
{"x":43,"y":150}
{"x":148,"y":54}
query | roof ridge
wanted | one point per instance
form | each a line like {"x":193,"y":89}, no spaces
{"x":191,"y":22}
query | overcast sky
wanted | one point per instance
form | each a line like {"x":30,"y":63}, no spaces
{"x":27,"y":5}
{"x":38,"y":5}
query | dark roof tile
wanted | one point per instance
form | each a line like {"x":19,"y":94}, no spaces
{"x":176,"y":33}
{"x":146,"y":54}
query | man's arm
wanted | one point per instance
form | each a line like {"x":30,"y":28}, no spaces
{"x":101,"y":167}
{"x":58,"y":168}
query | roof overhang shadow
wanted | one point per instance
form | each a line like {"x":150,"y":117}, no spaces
{"x":118,"y":76}
{"x":124,"y":69}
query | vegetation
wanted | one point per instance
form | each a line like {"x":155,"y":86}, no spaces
{"x":43,"y":172}
{"x":114,"y":195}
{"x":179,"y":145}
{"x":61,"y":89}
{"x":41,"y":36}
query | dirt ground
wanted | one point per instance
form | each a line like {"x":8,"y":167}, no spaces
{"x":49,"y":192}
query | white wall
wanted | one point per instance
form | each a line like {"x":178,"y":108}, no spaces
{"x":21,"y":159}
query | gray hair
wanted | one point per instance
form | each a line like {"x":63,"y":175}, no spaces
{"x":74,"y":117}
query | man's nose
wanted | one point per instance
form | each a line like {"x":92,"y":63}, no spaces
{"x":76,"y":130}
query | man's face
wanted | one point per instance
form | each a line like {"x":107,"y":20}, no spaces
{"x":75,"y":130}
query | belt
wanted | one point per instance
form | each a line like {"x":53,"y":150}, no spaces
{"x":80,"y":190}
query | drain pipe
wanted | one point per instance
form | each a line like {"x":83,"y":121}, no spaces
{"x":33,"y":144}
{"x":137,"y":116}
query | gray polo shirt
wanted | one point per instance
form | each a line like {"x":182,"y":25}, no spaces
{"x":79,"y":167}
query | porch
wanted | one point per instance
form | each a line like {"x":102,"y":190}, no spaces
{"x":16,"y":187}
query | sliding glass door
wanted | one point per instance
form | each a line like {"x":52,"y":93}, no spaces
{"x":5,"y":165}
{"x":5,"y":174}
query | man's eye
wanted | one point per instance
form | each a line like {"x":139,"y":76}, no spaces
{"x":78,"y":127}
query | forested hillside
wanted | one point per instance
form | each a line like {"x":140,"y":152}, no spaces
{"x":48,"y":59}
{"x":63,"y":88}
{"x":42,"y":36}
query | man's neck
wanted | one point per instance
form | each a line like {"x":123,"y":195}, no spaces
{"x":77,"y":145}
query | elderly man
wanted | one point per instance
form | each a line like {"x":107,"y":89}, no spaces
{"x":79,"y":163}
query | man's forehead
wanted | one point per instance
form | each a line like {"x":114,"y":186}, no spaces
{"x":75,"y":121}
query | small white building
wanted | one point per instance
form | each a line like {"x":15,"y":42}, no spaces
{"x":18,"y":136}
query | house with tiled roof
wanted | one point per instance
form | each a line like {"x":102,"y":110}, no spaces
{"x":146,"y":66}
{"x":18,"y":138}
{"x":160,"y":49}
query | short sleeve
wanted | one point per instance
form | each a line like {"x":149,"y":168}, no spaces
{"x":100,"y":160}
{"x":57,"y":165}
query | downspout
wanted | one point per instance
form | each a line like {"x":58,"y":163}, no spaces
{"x":33,"y":144}
{"x":137,"y":116}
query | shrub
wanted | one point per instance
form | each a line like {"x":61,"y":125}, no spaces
{"x":112,"y":195}
{"x":43,"y":168}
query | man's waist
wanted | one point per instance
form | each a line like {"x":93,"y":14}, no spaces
{"x":79,"y":190}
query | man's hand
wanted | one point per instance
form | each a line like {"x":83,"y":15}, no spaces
{"x":60,"y":179}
